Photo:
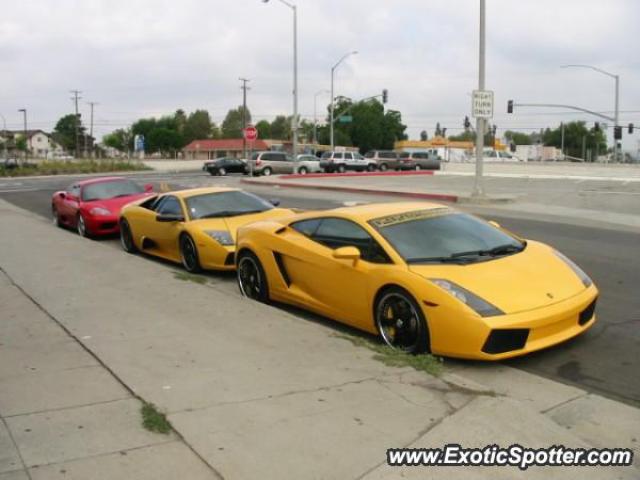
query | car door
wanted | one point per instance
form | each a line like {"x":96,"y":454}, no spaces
{"x":348,"y":161}
{"x":69,"y":205}
{"x":340,"y":288}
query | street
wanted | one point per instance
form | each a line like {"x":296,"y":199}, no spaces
{"x":604,"y":360}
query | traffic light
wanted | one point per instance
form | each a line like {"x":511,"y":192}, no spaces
{"x":630,"y":128}
{"x":510,"y":106}
{"x":467,"y":123}
{"x":444,"y":133}
{"x":617,"y":133}
{"x":493,"y":130}
{"x":596,"y":127}
{"x":385,"y":95}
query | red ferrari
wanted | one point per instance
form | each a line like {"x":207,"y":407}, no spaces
{"x":93,"y":206}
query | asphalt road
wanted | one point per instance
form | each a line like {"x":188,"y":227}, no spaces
{"x":605,"y":360}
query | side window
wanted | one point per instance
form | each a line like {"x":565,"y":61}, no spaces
{"x":336,"y":232}
{"x":170,"y":206}
{"x":404,"y":155}
{"x":348,"y":156}
{"x":74,"y":190}
{"x":306,"y":227}
{"x":337,"y":155}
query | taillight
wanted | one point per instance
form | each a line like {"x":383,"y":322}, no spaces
{"x":258,"y":162}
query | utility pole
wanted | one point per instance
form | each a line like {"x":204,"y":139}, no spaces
{"x":26,"y":140}
{"x":244,"y":114}
{"x":75,"y":98}
{"x":92,"y":104}
{"x":478,"y":187}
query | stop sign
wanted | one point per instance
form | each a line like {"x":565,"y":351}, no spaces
{"x":250,"y":133}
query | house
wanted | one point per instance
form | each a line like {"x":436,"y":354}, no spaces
{"x":40,"y":144}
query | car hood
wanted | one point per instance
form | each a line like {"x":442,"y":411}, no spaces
{"x":233,"y":223}
{"x":114,"y":205}
{"x":533,"y":278}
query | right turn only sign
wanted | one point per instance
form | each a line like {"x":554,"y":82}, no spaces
{"x":482,"y":104}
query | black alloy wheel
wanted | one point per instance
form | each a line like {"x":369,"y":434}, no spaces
{"x":55,"y":216}
{"x":189,"y":254}
{"x":81,"y":226}
{"x":400,"y":322}
{"x":126,"y":237}
{"x":251,"y":278}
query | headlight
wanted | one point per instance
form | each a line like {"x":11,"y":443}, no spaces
{"x":586,"y":280}
{"x":223,"y":237}
{"x":482,"y":307}
{"x":99,"y":211}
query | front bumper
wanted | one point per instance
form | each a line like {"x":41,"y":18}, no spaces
{"x":102,"y":225}
{"x":506,"y":336}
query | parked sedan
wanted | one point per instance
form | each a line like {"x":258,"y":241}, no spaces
{"x":195,"y":227}
{"x":308,"y":164}
{"x":93,"y":206}
{"x":224,"y":165}
{"x":423,"y":276}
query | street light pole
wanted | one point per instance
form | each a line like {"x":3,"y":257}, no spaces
{"x":315,"y":114}
{"x":26,"y":140}
{"x":294,"y":120}
{"x":616,"y":115}
{"x":478,"y":187}
{"x":333,"y":69}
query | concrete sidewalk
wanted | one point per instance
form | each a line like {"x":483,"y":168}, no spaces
{"x":256,"y":392}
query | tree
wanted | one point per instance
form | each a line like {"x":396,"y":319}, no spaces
{"x":370,"y":127}
{"x":198,"y":126}
{"x":64,"y":133}
{"x":518,"y":138}
{"x":232,"y":125}
{"x":575,"y":133}
{"x":424,"y":136}
{"x":280,"y":128}
{"x":264,"y":129}
{"x":120,"y":139}
{"x":466,"y":136}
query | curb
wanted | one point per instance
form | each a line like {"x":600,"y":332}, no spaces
{"x":425,"y":196}
{"x":359,"y":174}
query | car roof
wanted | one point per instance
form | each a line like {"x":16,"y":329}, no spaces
{"x":192,"y":192}
{"x":90,"y":181}
{"x":366,"y":212}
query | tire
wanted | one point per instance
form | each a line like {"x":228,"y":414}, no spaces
{"x":371,"y":167}
{"x":400,"y":321}
{"x":222,"y":172}
{"x":252,"y":280}
{"x":303,"y":171}
{"x":55,"y":217}
{"x":383,"y":167}
{"x":81,"y":227}
{"x":267,"y":171}
{"x":126,"y":237}
{"x":341,"y":169}
{"x":418,"y":168}
{"x":189,"y":254}
{"x":213,"y":172}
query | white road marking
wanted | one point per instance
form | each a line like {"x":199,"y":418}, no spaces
{"x":20,"y":190}
{"x":605,"y":192}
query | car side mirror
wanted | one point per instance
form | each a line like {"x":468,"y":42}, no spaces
{"x":274,"y":202}
{"x":148,"y":187}
{"x":347,"y":253}
{"x":169,"y":217}
{"x":494,"y":223}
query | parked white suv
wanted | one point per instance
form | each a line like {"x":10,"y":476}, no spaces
{"x":342,"y":161}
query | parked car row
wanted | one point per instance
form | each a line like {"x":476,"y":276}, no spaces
{"x":273,"y":162}
{"x":424,"y":277}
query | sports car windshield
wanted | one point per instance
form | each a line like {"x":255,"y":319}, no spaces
{"x":445,"y":236}
{"x":225,"y":204}
{"x":105,"y":190}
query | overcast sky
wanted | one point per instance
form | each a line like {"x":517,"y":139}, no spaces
{"x":147,"y":58}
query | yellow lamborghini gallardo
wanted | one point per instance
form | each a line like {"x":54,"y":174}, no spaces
{"x":195,"y":227}
{"x":425,"y":277}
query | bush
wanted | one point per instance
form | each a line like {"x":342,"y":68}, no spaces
{"x":62,"y":167}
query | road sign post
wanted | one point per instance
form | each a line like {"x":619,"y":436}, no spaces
{"x":250,"y":134}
